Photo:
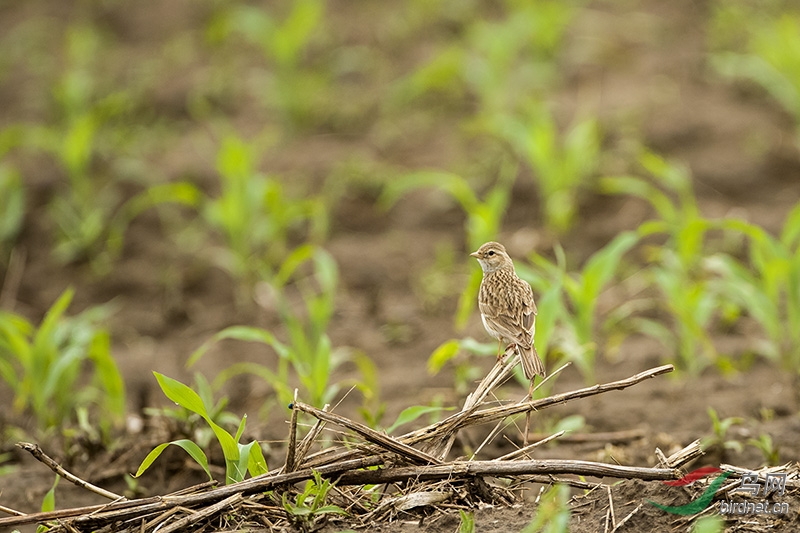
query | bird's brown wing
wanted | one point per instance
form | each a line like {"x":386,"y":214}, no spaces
{"x":528,"y":306}
{"x":511,"y":313}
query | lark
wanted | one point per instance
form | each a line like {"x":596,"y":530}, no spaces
{"x":507,"y":307}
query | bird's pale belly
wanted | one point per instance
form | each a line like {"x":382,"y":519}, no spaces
{"x":492,"y":331}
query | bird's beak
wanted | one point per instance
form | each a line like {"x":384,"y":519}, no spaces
{"x":475,"y":254}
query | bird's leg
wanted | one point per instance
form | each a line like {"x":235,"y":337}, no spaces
{"x":499,"y":352}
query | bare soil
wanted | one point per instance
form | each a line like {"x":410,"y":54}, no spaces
{"x":168,"y":304}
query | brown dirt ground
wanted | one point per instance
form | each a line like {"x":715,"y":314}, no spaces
{"x":168,"y":304}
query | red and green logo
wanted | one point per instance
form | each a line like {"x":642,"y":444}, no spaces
{"x":704,"y":500}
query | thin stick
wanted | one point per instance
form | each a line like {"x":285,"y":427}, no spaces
{"x":499,"y":374}
{"x":504,"y":468}
{"x":37,"y":452}
{"x":470,"y":417}
{"x":604,"y":437}
{"x":495,"y":413}
{"x":611,"y":508}
{"x":492,"y":434}
{"x":201,"y":514}
{"x":291,"y":448}
{"x":529,"y":447}
{"x":310,"y":437}
{"x":622,"y":522}
{"x":371,"y":435}
{"x":11,"y":511}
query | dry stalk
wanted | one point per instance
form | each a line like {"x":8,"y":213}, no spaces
{"x":349,"y":467}
{"x":37,"y":452}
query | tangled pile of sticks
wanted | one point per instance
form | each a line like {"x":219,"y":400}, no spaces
{"x":375,"y":477}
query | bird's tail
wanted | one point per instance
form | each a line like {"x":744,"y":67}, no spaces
{"x":531,"y":364}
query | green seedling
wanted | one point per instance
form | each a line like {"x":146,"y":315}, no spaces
{"x":254,"y":215}
{"x":12,"y":209}
{"x":192,"y":424}
{"x":87,"y":212}
{"x":6,"y":465}
{"x":552,"y":514}
{"x":467,"y":524}
{"x":572,"y":299}
{"x":495,"y":60}
{"x":709,"y":524}
{"x":372,"y":408}
{"x":719,"y":439}
{"x":292,"y":88}
{"x":239,"y":458}
{"x":771,"y":57}
{"x":766,"y":446}
{"x":676,"y":266}
{"x":44,"y":367}
{"x":563,"y":165}
{"x":308,"y":352}
{"x":48,"y":504}
{"x":484,"y":216}
{"x":310,"y":505}
{"x":767,"y":286}
{"x":460,"y":353}
{"x":81,"y":212}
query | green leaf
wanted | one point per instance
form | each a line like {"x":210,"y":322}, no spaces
{"x":49,"y":500}
{"x":241,"y":333}
{"x":299,"y":256}
{"x":190,"y":447}
{"x":107,"y":373}
{"x":452,"y":184}
{"x":442,"y":355}
{"x":181,"y":394}
{"x":257,"y":464}
{"x":187,"y":398}
{"x":467,"y":522}
{"x":44,"y":336}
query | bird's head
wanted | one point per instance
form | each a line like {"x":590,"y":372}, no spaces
{"x":492,"y":256}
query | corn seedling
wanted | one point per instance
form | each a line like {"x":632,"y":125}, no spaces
{"x":239,"y":458}
{"x":552,"y":513}
{"x":484,"y":216}
{"x":767,"y":287}
{"x":563,"y":165}
{"x":719,"y":440}
{"x":570,"y":299}
{"x":310,"y":504}
{"x":771,"y":57}
{"x":677,"y":267}
{"x":6,"y":465}
{"x":12,"y":209}
{"x":293,"y":89}
{"x":81,"y":212}
{"x":190,"y":423}
{"x":496,"y":60}
{"x":48,"y":504}
{"x":768,"y":449}
{"x":254,"y":215}
{"x":308,"y":352}
{"x":467,"y":524}
{"x":460,"y":353}
{"x":45,"y":367}
{"x":709,"y":524}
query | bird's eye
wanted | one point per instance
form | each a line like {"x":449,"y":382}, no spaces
{"x":491,"y":252}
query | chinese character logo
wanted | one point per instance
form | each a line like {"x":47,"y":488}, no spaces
{"x":704,"y":500}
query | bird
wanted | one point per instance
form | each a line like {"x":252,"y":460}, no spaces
{"x":507,"y":308}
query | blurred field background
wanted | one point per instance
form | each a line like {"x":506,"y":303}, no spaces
{"x":253,"y":197}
